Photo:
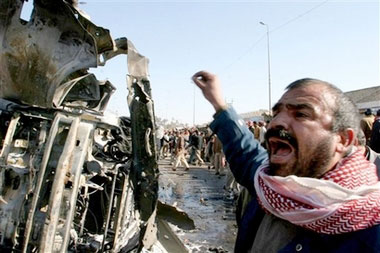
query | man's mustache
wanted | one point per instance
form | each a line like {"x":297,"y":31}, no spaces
{"x":281,"y":134}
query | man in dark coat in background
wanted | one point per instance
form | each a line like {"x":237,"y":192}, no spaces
{"x":375,"y":136}
{"x":366,"y":124}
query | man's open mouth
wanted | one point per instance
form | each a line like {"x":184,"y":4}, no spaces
{"x":280,"y":150}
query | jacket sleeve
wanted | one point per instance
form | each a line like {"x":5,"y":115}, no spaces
{"x":242,"y":151}
{"x":374,"y":143}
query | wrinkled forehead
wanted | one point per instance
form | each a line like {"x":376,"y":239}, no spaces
{"x":316,"y":96}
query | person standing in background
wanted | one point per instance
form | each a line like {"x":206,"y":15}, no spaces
{"x":263,"y":131}
{"x":366,"y":124}
{"x":375,"y":136}
{"x":179,"y":151}
{"x":218,"y":157}
{"x":256,"y":132}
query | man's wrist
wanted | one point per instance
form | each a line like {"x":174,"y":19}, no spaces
{"x":220,"y":109}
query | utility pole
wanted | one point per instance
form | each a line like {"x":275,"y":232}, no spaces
{"x":194,"y":107}
{"x":269,"y":81}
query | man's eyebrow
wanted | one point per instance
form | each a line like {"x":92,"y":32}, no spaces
{"x":300,"y":106}
{"x":307,"y":106}
{"x":276,"y":107}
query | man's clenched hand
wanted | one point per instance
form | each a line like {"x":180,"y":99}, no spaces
{"x":210,"y":86}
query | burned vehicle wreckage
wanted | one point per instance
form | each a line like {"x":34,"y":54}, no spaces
{"x":71,"y":179}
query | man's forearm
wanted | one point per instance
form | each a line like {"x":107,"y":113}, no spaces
{"x":243,"y":152}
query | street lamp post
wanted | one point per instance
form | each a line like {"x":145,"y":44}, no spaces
{"x":269,"y":83}
{"x":194,"y":106}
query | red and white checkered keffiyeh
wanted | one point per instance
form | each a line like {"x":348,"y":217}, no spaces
{"x":346,"y":199}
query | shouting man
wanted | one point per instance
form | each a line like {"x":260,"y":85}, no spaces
{"x":313,"y":189}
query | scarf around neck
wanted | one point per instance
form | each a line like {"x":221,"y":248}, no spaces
{"x":345,"y":199}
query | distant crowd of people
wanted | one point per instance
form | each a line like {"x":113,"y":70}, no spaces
{"x":258,"y":129}
{"x":370,"y":125}
{"x":193,"y":146}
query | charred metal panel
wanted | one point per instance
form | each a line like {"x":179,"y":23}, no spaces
{"x":71,"y":180}
{"x":37,"y":56}
{"x":143,"y":131}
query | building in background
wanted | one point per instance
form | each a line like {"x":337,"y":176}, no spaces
{"x":366,"y":98}
{"x":255,"y":115}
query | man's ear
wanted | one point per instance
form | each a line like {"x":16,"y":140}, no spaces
{"x":346,"y":139}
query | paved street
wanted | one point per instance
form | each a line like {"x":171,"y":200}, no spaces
{"x":199,"y":192}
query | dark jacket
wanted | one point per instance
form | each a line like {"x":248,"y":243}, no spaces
{"x":375,"y":136}
{"x":245,"y":155}
{"x":196,"y":141}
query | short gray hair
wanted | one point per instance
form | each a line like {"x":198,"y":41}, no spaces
{"x":345,"y":113}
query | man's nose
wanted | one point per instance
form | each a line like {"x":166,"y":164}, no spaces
{"x":280,"y":121}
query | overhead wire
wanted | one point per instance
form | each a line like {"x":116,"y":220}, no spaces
{"x":298,"y":17}
{"x":272,"y":31}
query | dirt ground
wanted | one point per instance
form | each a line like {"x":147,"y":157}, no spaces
{"x":199,"y":192}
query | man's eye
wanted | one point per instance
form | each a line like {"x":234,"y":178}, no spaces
{"x":300,"y":115}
